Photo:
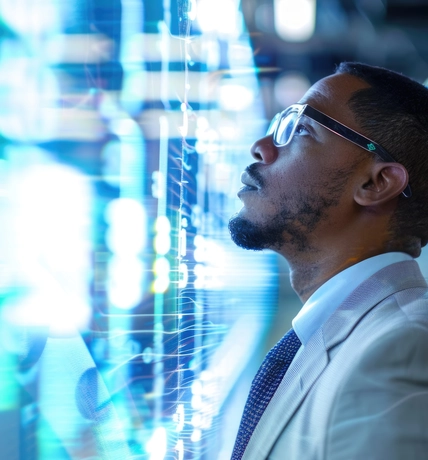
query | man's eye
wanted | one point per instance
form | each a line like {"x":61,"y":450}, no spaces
{"x":301,"y":129}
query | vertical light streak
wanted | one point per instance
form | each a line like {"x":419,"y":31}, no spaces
{"x":158,"y":330}
{"x":128,"y":226}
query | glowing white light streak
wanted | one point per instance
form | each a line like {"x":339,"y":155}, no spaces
{"x":180,"y":416}
{"x":182,"y":250}
{"x":295,"y":20}
{"x":180,"y":449}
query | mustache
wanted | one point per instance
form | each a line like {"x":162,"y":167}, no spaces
{"x":253,"y":171}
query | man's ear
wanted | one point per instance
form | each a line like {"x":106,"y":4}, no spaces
{"x":386,"y":181}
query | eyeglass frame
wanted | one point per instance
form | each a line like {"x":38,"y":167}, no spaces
{"x":334,"y":126}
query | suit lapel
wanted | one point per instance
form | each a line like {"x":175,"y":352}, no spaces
{"x":311,"y":360}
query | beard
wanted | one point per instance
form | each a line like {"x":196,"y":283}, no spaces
{"x":297,"y":217}
{"x":272,"y":235}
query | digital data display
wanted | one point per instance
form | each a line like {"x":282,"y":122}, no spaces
{"x":128,"y":317}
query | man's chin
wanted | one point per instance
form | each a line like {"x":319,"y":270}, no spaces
{"x":248,"y":235}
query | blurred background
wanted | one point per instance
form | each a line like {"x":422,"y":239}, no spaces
{"x":130,"y":325}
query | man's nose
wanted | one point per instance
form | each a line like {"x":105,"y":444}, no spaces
{"x":264,"y":150}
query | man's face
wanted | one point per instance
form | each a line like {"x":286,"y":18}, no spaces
{"x":299,"y":194}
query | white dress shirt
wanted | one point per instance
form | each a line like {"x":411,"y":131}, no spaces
{"x":324,"y":301}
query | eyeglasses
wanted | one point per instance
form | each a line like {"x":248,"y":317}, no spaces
{"x":284,"y":124}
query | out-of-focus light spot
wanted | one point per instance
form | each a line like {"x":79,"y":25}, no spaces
{"x":56,"y":308}
{"x":161,"y":267}
{"x":183,"y":276}
{"x":212,"y":54}
{"x":161,"y":270}
{"x":220,"y":16}
{"x":199,"y":272}
{"x":228,"y":130}
{"x":126,"y":275}
{"x":196,"y":420}
{"x":235,"y":97}
{"x":157,"y":445}
{"x":127,"y":220}
{"x":28,"y":93}
{"x":162,"y":240}
{"x":193,"y":10}
{"x":147,"y":355}
{"x":162,"y":243}
{"x":206,"y":376}
{"x":197,"y":387}
{"x":196,"y":402}
{"x":161,"y":285}
{"x":48,"y":239}
{"x":162,"y":224}
{"x":30,"y":18}
{"x":202,"y":123}
{"x":290,"y":87}
{"x":196,"y":436}
{"x":295,"y":20}
{"x":125,"y":127}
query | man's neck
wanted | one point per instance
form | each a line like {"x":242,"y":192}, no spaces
{"x":307,"y":276}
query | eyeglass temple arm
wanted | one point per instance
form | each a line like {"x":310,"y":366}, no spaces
{"x":353,"y":136}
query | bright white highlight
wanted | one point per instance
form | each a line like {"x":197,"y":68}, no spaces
{"x":46,"y":239}
{"x":295,"y":19}
{"x":219,"y":16}
{"x":157,"y":445}
{"x":125,"y":281}
{"x":125,"y":238}
{"x":235,"y":97}
{"x":28,"y":17}
{"x":127,"y":220}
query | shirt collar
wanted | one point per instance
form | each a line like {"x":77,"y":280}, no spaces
{"x":324,"y":301}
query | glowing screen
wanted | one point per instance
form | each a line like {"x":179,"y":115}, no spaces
{"x":127,"y":316}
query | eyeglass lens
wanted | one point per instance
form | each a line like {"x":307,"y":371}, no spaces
{"x":282,"y":127}
{"x":286,"y":127}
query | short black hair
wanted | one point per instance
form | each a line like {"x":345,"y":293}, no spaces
{"x":394,"y":113}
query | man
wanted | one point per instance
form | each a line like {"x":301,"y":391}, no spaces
{"x":340,"y":189}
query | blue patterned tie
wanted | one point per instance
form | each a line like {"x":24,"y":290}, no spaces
{"x":264,"y":385}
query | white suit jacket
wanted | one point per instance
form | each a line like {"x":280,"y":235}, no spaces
{"x":359,"y":388}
